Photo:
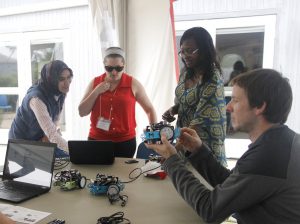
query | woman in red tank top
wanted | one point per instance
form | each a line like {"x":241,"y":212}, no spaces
{"x":111,"y":99}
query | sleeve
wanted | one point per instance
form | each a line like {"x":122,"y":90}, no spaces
{"x":206,"y":164}
{"x":238,"y":192}
{"x":46,"y":123}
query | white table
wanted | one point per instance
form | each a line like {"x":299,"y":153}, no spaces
{"x":149,"y":200}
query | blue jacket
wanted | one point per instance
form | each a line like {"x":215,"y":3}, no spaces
{"x":25,"y":125}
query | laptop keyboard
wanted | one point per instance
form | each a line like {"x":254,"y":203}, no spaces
{"x":12,"y":186}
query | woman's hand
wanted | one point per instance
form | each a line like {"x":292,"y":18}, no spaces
{"x":189,"y":139}
{"x":45,"y":139}
{"x":168,"y":116}
{"x":102,"y":87}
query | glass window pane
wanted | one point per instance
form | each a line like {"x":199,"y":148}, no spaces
{"x":8,"y":104}
{"x":238,"y":52}
{"x":8,"y":66}
{"x":42,"y":54}
{"x":242,"y":51}
{"x":178,"y":37}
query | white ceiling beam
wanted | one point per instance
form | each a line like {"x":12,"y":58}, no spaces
{"x":44,"y":6}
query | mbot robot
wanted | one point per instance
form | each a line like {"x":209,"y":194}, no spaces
{"x":109,"y":185}
{"x":69,"y":180}
{"x":153,"y":132}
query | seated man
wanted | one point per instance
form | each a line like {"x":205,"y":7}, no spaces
{"x":264,"y":186}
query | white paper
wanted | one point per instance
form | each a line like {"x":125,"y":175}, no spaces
{"x":23,"y":215}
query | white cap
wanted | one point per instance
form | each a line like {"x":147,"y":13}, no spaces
{"x":114,"y":50}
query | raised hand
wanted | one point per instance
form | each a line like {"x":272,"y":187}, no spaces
{"x":103,"y":87}
{"x":168,"y":116}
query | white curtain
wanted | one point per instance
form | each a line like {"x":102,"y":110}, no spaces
{"x":151,"y":54}
{"x":288,"y":54}
{"x":109,"y":18}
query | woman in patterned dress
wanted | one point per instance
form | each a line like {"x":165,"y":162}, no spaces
{"x":199,"y":95}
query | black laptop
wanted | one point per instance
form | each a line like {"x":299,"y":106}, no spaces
{"x":91,"y":152}
{"x":28,"y":170}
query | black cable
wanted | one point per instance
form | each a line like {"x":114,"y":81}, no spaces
{"x":123,"y":198}
{"x":138,"y":175}
{"x":115,"y":218}
{"x":61,"y":163}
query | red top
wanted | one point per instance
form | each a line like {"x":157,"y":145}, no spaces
{"x":121,"y":103}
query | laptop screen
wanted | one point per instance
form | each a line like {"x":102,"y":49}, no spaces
{"x":29,"y":162}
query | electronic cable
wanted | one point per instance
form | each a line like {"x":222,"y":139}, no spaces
{"x":138,"y":175}
{"x":61,"y":163}
{"x":115,"y":218}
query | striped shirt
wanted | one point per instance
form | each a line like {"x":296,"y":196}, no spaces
{"x":50,"y":128}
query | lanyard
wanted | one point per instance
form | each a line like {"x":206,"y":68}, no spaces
{"x":110,"y":104}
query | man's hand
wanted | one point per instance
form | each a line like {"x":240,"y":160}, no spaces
{"x":166,"y":149}
{"x":189,"y":139}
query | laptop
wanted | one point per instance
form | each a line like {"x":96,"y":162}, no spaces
{"x":28,"y":170}
{"x":91,"y":152}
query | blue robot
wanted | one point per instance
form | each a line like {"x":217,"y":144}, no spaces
{"x":153,"y":132}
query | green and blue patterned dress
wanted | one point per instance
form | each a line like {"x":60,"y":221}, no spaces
{"x":203,"y":108}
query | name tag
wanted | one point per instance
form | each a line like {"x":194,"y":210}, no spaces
{"x":103,"y":124}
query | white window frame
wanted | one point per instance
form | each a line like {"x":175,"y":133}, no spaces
{"x":265,"y":23}
{"x":23,"y":42}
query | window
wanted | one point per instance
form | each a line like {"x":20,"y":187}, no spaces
{"x":239,"y":38}
{"x":8,"y":66}
{"x":9,"y":82}
{"x":8,"y":78}
{"x":43,"y":53}
{"x":239,"y":50}
{"x":22,"y":57}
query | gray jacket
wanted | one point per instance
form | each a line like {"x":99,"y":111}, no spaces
{"x":264,"y":186}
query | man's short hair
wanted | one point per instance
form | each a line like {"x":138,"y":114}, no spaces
{"x":267,"y":85}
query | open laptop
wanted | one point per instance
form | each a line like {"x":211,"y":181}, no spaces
{"x":91,"y":152}
{"x":28,"y":170}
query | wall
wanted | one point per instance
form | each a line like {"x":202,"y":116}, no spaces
{"x":287,"y":45}
{"x":287,"y":53}
{"x":147,"y":34}
{"x":150,"y":54}
{"x":202,"y":9}
{"x":148,"y":43}
{"x":82,"y":50}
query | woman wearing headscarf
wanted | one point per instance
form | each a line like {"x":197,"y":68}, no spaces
{"x":39,"y":114}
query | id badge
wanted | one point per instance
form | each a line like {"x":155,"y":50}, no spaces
{"x":103,"y":124}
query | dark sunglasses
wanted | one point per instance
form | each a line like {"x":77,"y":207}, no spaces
{"x":111,"y":68}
